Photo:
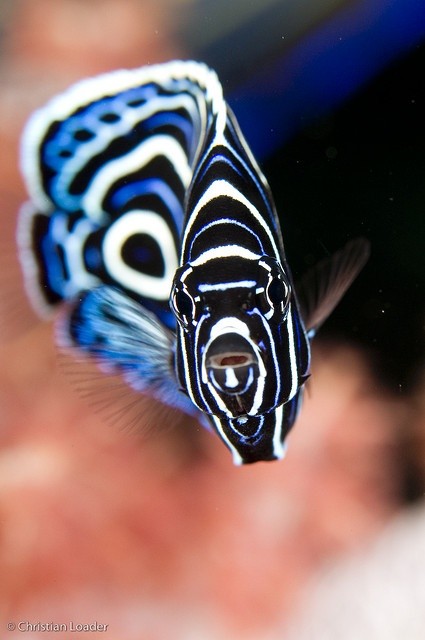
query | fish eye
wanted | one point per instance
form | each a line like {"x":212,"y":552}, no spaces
{"x":277,"y":291}
{"x":183,"y":305}
{"x":274,"y":295}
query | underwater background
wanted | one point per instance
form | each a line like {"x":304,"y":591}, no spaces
{"x":157,"y":535}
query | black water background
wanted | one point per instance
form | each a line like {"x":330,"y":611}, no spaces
{"x":360,"y":171}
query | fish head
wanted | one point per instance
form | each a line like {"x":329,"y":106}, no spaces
{"x":238,"y":353}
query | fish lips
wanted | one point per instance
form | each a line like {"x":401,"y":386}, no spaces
{"x":233,"y":369}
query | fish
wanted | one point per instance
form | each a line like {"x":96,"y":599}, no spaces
{"x":150,"y":221}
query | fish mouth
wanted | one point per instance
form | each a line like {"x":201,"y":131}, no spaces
{"x":230,"y":359}
{"x":232,"y":367}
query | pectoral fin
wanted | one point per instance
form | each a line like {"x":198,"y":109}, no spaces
{"x":124,"y":337}
{"x":322,"y":287}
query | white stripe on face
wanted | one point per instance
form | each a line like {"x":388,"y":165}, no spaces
{"x":223,"y":286}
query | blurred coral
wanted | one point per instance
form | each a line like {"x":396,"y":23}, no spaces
{"x":98,"y":523}
{"x":379,"y":591}
{"x":48,"y":45}
{"x":63,"y":37}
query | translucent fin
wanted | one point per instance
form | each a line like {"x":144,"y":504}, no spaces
{"x":110,"y":397}
{"x":320,"y":289}
{"x":124,"y":339}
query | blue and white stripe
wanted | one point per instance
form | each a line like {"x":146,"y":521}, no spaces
{"x":150,"y":214}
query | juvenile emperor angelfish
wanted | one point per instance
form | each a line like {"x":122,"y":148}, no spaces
{"x":149,"y":215}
